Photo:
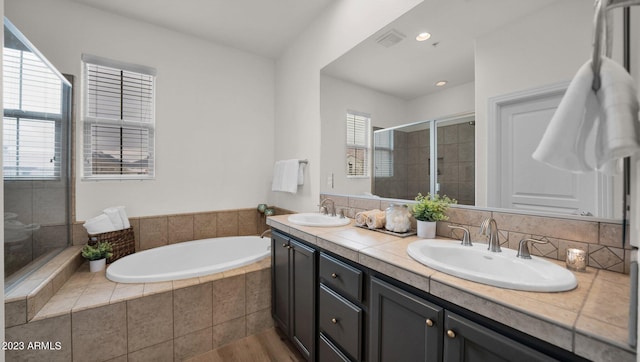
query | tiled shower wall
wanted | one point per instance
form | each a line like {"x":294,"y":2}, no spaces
{"x":411,"y":158}
{"x":601,"y":240}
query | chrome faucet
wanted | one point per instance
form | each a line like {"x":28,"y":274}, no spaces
{"x":489,"y":227}
{"x":324,"y":210}
{"x":466,"y":239}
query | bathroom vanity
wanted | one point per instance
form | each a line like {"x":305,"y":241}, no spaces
{"x":348,"y":294}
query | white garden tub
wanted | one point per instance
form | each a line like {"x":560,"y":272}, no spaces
{"x":189,"y":259}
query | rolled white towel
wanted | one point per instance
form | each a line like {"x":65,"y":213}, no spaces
{"x":376,"y":220}
{"x":362,"y":216}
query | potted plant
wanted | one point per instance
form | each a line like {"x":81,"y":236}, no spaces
{"x":428,"y":210}
{"x":97,"y":255}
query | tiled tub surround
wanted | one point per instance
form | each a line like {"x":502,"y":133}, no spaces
{"x":30,"y":295}
{"x":98,"y":320}
{"x":41,"y":293}
{"x":590,"y":320}
{"x":159,"y":230}
{"x":601,"y":240}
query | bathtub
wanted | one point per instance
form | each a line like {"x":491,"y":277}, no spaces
{"x":189,"y":259}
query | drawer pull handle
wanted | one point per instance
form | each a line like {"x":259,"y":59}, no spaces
{"x":284,"y":245}
{"x":334,"y":275}
{"x":451,"y":334}
{"x":429,"y":323}
{"x":334,"y":321}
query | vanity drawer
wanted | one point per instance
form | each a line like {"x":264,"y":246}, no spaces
{"x":341,"y":277}
{"x":341,"y":320}
{"x":327,"y":352}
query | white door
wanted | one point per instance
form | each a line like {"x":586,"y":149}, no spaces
{"x":524,"y":183}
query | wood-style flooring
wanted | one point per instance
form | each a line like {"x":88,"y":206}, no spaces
{"x":268,"y":346}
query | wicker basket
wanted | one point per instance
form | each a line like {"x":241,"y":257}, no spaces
{"x":123,"y":242}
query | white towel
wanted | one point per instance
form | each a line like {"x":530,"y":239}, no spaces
{"x":611,"y":113}
{"x":114,"y":216}
{"x":619,"y":130}
{"x":99,"y":224}
{"x":285,"y":176}
{"x":118,"y":217}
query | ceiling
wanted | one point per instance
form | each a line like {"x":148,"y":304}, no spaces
{"x":409,"y":69}
{"x":257,"y":26}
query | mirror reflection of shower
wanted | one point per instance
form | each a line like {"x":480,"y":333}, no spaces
{"x":36,"y":157}
{"x":404,"y":166}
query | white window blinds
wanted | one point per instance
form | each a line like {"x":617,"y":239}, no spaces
{"x":357,"y":145}
{"x":118,"y":120}
{"x":32,"y":96}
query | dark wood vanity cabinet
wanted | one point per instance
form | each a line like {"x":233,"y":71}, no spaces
{"x":341,"y":312}
{"x":336,"y":310}
{"x":293,"y":281}
{"x":466,"y":340}
{"x":403,"y":326}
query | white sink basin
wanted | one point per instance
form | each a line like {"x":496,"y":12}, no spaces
{"x":502,"y":270}
{"x":317,"y":219}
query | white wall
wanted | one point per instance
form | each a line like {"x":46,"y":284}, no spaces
{"x":214,"y":109}
{"x":336,"y":98}
{"x":447,"y":102}
{"x":544,"y":48}
{"x":339,"y":28}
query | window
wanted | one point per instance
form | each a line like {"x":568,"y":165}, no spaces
{"x":33,"y":102}
{"x":383,"y":153}
{"x":119,"y":120}
{"x":357,"y":145}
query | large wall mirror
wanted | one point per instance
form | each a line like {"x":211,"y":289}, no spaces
{"x":492,"y":54}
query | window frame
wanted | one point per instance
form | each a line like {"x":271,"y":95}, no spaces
{"x":90,"y":122}
{"x":366,"y":146}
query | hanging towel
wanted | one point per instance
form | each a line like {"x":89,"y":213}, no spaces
{"x":618,"y":128}
{"x":285,"y":176}
{"x":612,"y":113}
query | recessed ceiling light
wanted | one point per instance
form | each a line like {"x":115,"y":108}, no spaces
{"x":423,"y":36}
{"x":441,"y":83}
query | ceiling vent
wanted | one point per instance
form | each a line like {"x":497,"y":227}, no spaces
{"x":390,"y":38}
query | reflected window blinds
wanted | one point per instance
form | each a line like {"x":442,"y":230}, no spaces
{"x":119,"y":120}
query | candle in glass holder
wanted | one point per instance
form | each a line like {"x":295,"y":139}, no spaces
{"x":576,"y":259}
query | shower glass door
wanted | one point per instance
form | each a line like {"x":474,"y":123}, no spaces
{"x":36,"y":158}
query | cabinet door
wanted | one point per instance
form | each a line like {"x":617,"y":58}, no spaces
{"x":468,"y":341}
{"x":403,"y":326}
{"x":303,"y":282}
{"x":280,"y":306}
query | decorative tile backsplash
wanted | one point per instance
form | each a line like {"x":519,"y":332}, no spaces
{"x":601,"y":240}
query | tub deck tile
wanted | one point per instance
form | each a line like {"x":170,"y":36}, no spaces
{"x":124,"y":291}
{"x":183,"y":283}
{"x":159,"y":287}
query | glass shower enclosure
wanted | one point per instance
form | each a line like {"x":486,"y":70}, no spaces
{"x":36,"y":157}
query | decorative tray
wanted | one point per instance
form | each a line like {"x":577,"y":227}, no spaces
{"x":385,"y":231}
